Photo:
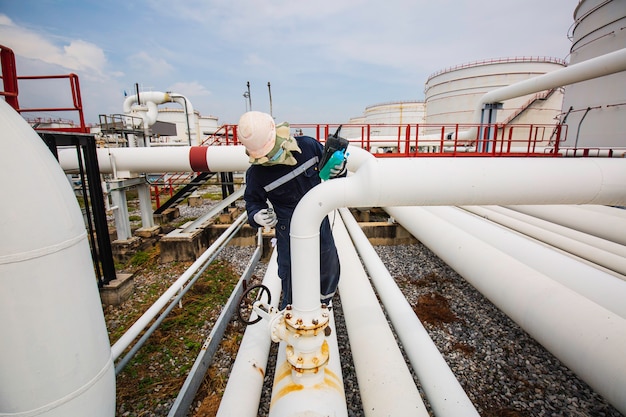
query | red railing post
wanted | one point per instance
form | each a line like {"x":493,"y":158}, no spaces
{"x":9,"y":76}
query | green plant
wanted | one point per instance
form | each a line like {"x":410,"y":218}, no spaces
{"x":139,"y":258}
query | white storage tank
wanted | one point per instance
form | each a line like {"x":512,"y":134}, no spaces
{"x":397,"y":115}
{"x":451,"y":94}
{"x":595,"y":110}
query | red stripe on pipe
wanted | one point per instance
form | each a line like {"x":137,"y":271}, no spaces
{"x":197,"y":159}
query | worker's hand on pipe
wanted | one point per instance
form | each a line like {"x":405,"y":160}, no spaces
{"x":265,"y":218}
{"x":338,"y":169}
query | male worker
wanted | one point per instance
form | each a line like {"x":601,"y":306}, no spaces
{"x":283,"y":169}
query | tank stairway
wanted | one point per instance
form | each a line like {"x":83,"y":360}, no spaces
{"x":185,"y":191}
{"x":543,"y":95}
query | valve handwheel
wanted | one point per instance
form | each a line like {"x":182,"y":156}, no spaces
{"x":248,"y":298}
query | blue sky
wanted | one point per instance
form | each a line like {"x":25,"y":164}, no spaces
{"x":326,"y":60}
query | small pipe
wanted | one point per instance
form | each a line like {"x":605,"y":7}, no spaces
{"x":198,"y":371}
{"x":175,"y":301}
{"x":580,"y":122}
{"x":131,"y":334}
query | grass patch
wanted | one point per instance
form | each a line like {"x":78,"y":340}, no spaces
{"x":160,"y":367}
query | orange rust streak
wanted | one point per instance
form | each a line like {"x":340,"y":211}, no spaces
{"x":282,"y":372}
{"x":254,"y":365}
{"x":289,"y":388}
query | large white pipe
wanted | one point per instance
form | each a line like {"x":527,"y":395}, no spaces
{"x":608,"y":225}
{"x":386,"y":385}
{"x":592,"y":68}
{"x":293,"y":397}
{"x":600,"y":66}
{"x":458,"y":181}
{"x":558,"y":229}
{"x":164,"y":159}
{"x":596,"y":284}
{"x":608,"y":259}
{"x":443,"y":391}
{"x":55,"y":356}
{"x":248,"y":372}
{"x":587,"y":338}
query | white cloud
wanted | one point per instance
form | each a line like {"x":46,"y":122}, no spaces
{"x":76,"y":55}
{"x":153,"y":66}
{"x":189,"y":89}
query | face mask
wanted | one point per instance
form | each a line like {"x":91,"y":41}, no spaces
{"x":281,"y":153}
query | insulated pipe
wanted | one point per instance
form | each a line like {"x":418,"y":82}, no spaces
{"x":293,"y":397}
{"x":596,"y":284}
{"x":164,"y":159}
{"x":55,"y":355}
{"x":600,"y":66}
{"x":248,"y":372}
{"x":382,"y":182}
{"x":587,"y":338}
{"x":568,"y":232}
{"x":601,"y":257}
{"x":443,"y":391}
{"x":603,"y":225}
{"x":385,"y":383}
{"x":189,"y":112}
{"x":150,"y":99}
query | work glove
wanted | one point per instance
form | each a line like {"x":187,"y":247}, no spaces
{"x":265,"y":218}
{"x":338,"y":169}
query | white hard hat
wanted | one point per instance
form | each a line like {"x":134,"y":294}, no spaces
{"x":257,"y":132}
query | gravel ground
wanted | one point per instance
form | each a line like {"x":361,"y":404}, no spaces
{"x":502,"y":369}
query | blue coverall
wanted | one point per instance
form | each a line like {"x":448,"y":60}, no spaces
{"x":284,"y":200}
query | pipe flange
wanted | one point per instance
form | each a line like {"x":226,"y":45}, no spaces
{"x":305,"y":363}
{"x":306,"y":327}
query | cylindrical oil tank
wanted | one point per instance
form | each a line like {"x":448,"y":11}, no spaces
{"x":451,"y":94}
{"x":387,"y":122}
{"x":595,"y":110}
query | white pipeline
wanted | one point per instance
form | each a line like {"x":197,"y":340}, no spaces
{"x":163,"y":159}
{"x":586,"y":279}
{"x":248,"y":372}
{"x":587,"y":338}
{"x":386,"y":385}
{"x":609,"y":225}
{"x":548,"y":226}
{"x":145,"y":104}
{"x":292,"y":397}
{"x":55,"y":356}
{"x":600,"y":66}
{"x":445,"y":181}
{"x":443,"y":391}
{"x":601,"y":257}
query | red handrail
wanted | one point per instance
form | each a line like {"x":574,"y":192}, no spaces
{"x":11,"y":91}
